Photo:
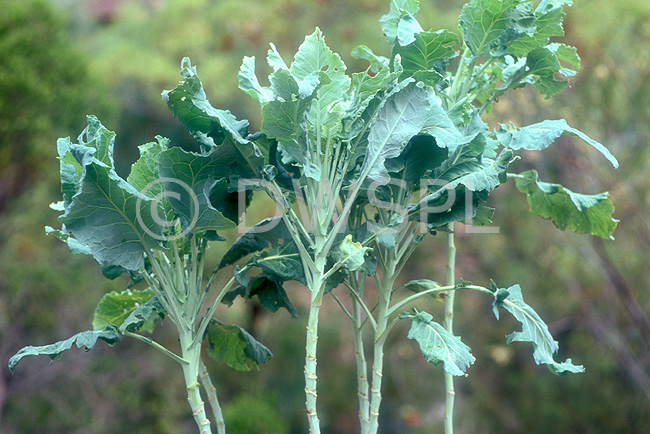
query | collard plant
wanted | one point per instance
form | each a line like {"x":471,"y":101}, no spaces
{"x":156,"y":226}
{"x":362,"y":168}
{"x":381,"y":159}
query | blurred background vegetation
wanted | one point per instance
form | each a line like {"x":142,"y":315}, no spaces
{"x":61,"y":60}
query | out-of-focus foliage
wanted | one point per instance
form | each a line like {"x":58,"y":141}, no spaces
{"x":45,"y":85}
{"x":595,"y":295}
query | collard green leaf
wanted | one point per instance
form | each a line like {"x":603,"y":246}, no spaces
{"x":107,"y":214}
{"x":286,"y":122}
{"x":377,"y":63}
{"x":407,"y":28}
{"x":489,"y":24}
{"x":316,"y":67}
{"x":282,"y":264}
{"x":144,"y":172}
{"x":465,"y":171}
{"x":87,"y":339}
{"x":548,"y":24}
{"x":421,"y":155}
{"x":115,"y":307}
{"x":267,"y":233}
{"x":582,"y":213}
{"x":274,"y":59}
{"x":234,"y":346}
{"x":440,"y":346}
{"x":352,"y":254}
{"x":429,"y":52}
{"x":440,"y":126}
{"x":390,"y":22}
{"x":403,"y":116}
{"x":542,"y":134}
{"x":268,"y":290}
{"x":188,"y":179}
{"x":144,"y":317}
{"x":248,"y":82}
{"x":104,"y":217}
{"x":209,"y":126}
{"x":534,"y":330}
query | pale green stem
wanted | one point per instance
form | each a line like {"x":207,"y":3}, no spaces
{"x":449,"y":321}
{"x":311,"y":378}
{"x":381,"y":333}
{"x":360,"y":355}
{"x":211,"y":391}
{"x":192,"y":353}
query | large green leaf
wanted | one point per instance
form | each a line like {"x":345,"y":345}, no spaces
{"x":440,"y":346}
{"x":583,"y":213}
{"x":440,"y":125}
{"x":248,"y":82}
{"x":286,"y":122}
{"x":211,"y":127}
{"x":315,"y":61}
{"x":267,"y":233}
{"x":130,"y":310}
{"x":421,"y":155}
{"x":269,"y":292}
{"x":403,"y":116}
{"x":465,"y":171}
{"x":234,"y":346}
{"x":107,"y":214}
{"x":489,"y":24}
{"x":189,"y":178}
{"x":429,"y":52}
{"x":115,"y":307}
{"x":542,"y":134}
{"x":534,"y":330}
{"x":87,"y":339}
{"x":548,"y":23}
{"x":398,"y":9}
{"x":144,"y":173}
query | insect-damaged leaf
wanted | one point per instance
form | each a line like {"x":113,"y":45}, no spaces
{"x":534,"y":330}
{"x":87,"y":339}
{"x":582,"y":213}
{"x":115,"y":307}
{"x":234,"y":346}
{"x":440,"y":346}
{"x":398,"y":9}
{"x":209,"y":126}
{"x":130,"y":310}
{"x":542,"y":134}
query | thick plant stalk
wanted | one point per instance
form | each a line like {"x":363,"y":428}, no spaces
{"x":362,"y":368}
{"x":192,"y":353}
{"x":449,"y":322}
{"x":211,"y":391}
{"x":381,"y":333}
{"x":311,"y":378}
